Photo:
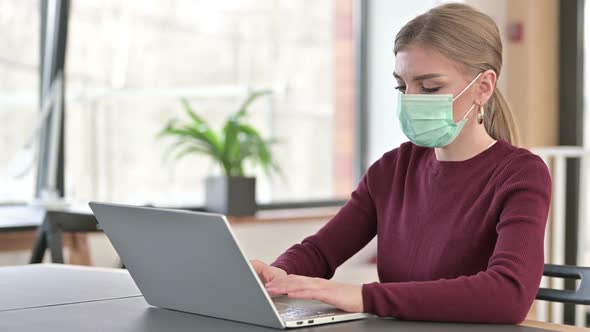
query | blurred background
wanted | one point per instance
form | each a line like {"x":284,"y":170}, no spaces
{"x":113,"y":74}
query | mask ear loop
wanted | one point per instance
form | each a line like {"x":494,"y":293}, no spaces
{"x":460,"y":93}
{"x":468,"y":86}
{"x":467,"y":114}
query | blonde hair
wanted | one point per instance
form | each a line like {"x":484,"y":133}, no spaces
{"x":471,"y":38}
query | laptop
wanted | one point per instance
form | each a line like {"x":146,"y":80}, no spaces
{"x":192,"y":262}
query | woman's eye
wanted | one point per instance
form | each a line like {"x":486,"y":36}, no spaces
{"x":401,"y":88}
{"x":430,"y":90}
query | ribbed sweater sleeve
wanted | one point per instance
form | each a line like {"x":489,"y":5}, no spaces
{"x":346,"y":233}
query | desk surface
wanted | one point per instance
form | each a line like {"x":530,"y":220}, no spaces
{"x":44,"y":285}
{"x":67,"y":298}
{"x":134,"y":314}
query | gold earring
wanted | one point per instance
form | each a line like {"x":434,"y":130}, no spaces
{"x":480,"y":114}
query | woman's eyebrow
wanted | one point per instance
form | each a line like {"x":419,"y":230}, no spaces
{"x":421,"y":77}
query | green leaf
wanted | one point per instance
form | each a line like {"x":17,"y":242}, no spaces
{"x":163,"y":132}
{"x":190,"y":150}
{"x":236,"y":144}
{"x":189,"y":111}
{"x":189,"y":135}
{"x":172,"y":148}
{"x":251,"y":99}
{"x":230,"y":130}
{"x":201,"y":126}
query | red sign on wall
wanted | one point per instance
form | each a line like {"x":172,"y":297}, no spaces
{"x":515,"y":32}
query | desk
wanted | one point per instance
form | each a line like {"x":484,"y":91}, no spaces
{"x":119,"y":310}
{"x":27,"y":227}
{"x":40,"y":285}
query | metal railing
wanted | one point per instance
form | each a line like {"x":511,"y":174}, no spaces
{"x":556,"y":159}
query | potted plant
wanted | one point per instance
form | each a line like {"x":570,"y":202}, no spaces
{"x":234,"y":193}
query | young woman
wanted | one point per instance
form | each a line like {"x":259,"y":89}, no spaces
{"x":459,"y":211}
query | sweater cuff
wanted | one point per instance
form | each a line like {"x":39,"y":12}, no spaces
{"x":285,"y":265}
{"x":368,"y":291}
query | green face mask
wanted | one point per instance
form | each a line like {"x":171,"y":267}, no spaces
{"x":427,"y":120}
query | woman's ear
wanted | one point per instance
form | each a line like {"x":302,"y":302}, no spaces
{"x":487,"y":83}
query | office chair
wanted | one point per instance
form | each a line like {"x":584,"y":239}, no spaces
{"x":579,"y":296}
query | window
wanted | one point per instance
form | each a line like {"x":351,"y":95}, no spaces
{"x":129,"y":63}
{"x":19,"y":58}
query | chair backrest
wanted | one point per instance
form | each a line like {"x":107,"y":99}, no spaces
{"x":579,"y":296}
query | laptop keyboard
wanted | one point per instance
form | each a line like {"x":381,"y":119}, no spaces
{"x":292,"y":312}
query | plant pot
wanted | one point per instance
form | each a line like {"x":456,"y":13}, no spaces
{"x":234,"y":195}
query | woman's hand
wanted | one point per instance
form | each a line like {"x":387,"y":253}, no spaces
{"x":266,"y":272}
{"x":343,"y":296}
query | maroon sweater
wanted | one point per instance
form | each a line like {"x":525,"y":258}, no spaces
{"x":457,"y":241}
